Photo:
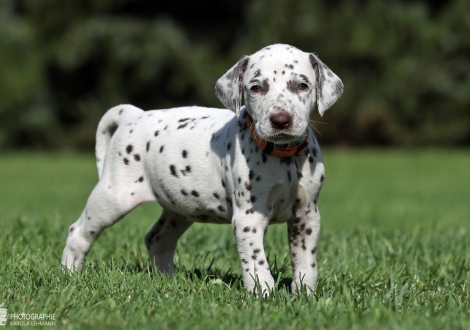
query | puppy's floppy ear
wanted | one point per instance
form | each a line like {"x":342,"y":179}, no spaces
{"x":329,"y":86}
{"x":229,"y":88}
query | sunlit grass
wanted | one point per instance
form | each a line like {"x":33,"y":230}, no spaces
{"x":393,"y":252}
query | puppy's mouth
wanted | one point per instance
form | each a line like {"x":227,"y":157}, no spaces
{"x":284,"y":140}
{"x":280,"y":138}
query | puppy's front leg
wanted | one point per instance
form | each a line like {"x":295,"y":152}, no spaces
{"x":303,"y":237}
{"x":249,"y":229}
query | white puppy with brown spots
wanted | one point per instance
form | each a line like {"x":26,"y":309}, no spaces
{"x":252,"y":166}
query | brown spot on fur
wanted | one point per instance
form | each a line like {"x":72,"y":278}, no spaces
{"x":173,"y":171}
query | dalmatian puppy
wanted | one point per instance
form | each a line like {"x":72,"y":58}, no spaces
{"x":249,"y":166}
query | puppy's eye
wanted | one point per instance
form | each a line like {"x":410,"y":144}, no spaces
{"x":256,"y":89}
{"x":302,"y":87}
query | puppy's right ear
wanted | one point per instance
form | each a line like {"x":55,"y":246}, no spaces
{"x":229,"y":88}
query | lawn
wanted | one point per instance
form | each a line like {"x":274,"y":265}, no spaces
{"x":393,"y":252}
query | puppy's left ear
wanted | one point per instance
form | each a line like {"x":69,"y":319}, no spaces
{"x":329,"y":86}
{"x":229,"y":88}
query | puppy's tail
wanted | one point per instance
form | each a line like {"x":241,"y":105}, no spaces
{"x":109,"y":123}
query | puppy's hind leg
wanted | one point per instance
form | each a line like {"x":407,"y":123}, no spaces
{"x":161,"y":240}
{"x":104,"y":208}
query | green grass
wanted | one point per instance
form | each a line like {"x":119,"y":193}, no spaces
{"x":393,"y":253}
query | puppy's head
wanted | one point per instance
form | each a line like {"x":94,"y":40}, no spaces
{"x":281,"y":85}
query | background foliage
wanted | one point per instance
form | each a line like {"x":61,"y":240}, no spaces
{"x":405,"y":64}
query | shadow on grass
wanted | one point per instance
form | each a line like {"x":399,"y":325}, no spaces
{"x":234,"y":280}
{"x":231,"y":279}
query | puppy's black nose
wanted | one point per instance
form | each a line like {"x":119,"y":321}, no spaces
{"x":280,"y":120}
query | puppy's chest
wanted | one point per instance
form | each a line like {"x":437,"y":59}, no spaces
{"x":273,"y":186}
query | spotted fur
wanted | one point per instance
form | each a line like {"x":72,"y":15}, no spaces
{"x":202,"y":165}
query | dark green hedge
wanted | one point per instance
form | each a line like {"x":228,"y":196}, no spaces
{"x":405,"y":64}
